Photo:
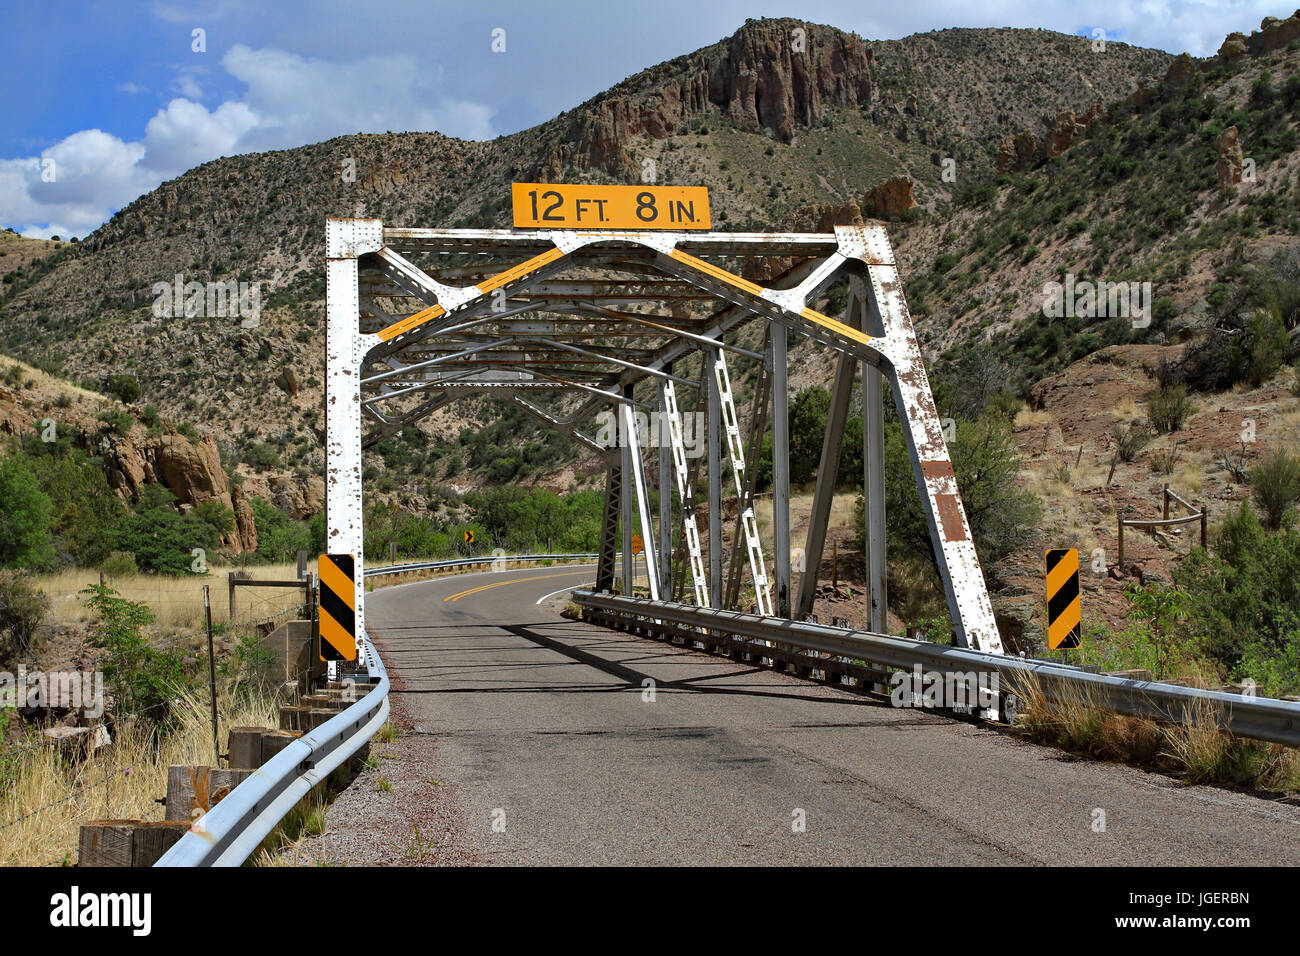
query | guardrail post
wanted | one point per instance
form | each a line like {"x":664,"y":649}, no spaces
{"x":1204,"y":525}
{"x":1121,"y":543}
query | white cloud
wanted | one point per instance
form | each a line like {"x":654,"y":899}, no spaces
{"x":129,"y":87}
{"x":289,"y":100}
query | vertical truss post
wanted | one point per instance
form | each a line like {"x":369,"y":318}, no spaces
{"x":714,"y":435}
{"x":609,"y":520}
{"x":345,"y":239}
{"x":744,"y":503}
{"x":781,"y":469}
{"x":686,"y":491}
{"x":873,"y":497}
{"x":625,"y":503}
{"x":969,"y":606}
{"x":636,"y":478}
{"x":833,"y":443}
{"x":665,"y":488}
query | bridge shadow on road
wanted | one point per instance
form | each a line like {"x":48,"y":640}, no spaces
{"x":391,"y":634}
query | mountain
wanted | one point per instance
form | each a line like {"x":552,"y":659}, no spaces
{"x":773,"y":131}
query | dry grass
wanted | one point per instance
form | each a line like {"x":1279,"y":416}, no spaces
{"x":1196,"y":747}
{"x":1027,"y":416}
{"x":177,"y":601}
{"x":120,"y":782}
{"x":50,"y":387}
{"x":1128,"y":410}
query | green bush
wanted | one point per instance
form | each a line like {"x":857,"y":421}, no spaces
{"x":124,"y":388}
{"x":1002,"y":515}
{"x":1129,"y":439}
{"x":143,"y":678}
{"x":1168,"y":408}
{"x":279,"y":537}
{"x":26,"y":516}
{"x":1275,"y":485}
{"x":1242,"y":602}
{"x":162,"y":538}
{"x":262,"y":455}
{"x":22,"y":607}
{"x":119,"y":564}
{"x":86,"y":514}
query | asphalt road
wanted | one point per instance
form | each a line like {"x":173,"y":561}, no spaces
{"x":559,"y":756}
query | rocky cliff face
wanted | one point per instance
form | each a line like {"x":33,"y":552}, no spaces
{"x":190,"y":470}
{"x":771,"y":76}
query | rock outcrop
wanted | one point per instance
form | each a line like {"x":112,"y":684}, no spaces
{"x":190,"y":470}
{"x":889,"y":199}
{"x":1016,"y":153}
{"x":1180,"y":70}
{"x":764,"y":78}
{"x":1230,"y":157}
{"x":1233,"y":46}
{"x":1274,"y":34}
{"x":1062,"y":133}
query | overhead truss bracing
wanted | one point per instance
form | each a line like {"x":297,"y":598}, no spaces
{"x":571,"y":326}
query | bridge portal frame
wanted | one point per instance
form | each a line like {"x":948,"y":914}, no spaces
{"x":470,"y":340}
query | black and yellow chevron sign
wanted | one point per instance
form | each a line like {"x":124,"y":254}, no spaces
{"x":1063,"y":614}
{"x":338,"y":607}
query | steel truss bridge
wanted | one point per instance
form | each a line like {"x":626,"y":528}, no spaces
{"x":594,"y":322}
{"x":569,"y":324}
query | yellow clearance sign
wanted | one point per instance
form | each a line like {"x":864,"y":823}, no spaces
{"x":576,"y":206}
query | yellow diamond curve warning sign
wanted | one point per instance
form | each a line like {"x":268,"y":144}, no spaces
{"x":1063,"y":610}
{"x":338,"y":607}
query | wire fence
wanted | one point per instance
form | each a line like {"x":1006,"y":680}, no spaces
{"x":244,"y":670}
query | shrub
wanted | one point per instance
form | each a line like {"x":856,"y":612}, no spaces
{"x":1168,"y":407}
{"x":1243,"y":601}
{"x":161,"y":538}
{"x":124,"y":388}
{"x":26,"y":516}
{"x":22,"y":607}
{"x":117,"y":421}
{"x":985,"y":460}
{"x":119,"y":564}
{"x":1130,"y":439}
{"x":143,"y":678}
{"x":1275,"y":485}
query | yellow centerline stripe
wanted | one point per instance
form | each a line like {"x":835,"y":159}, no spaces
{"x":499,"y":584}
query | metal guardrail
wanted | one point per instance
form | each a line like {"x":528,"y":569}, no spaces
{"x":231,"y":831}
{"x":1260,"y":718}
{"x":465,"y":562}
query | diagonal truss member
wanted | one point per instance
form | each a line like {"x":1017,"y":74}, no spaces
{"x":753,"y":546}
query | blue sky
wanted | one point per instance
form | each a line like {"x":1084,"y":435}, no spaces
{"x":118,"y":98}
